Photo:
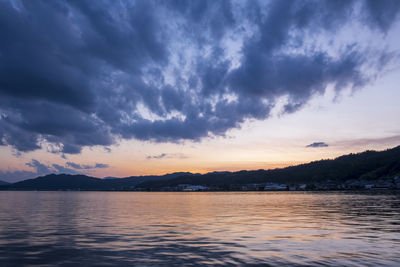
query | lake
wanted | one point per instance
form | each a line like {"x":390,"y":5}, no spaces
{"x":165,"y":228}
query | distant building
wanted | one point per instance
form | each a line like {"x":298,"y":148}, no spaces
{"x":275,"y":187}
{"x":253,"y":187}
{"x":353,"y":185}
{"x":368,"y":186}
{"x":189,"y":187}
{"x":396,"y":181}
{"x":292,"y":187}
{"x":302,"y":186}
{"x":383,"y":185}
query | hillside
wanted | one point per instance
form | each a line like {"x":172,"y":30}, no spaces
{"x":83,"y":182}
{"x":366,"y":166}
{"x":3,"y":183}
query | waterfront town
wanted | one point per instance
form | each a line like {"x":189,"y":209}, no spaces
{"x":380,"y":184}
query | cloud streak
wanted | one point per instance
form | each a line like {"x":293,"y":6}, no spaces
{"x":167,"y":155}
{"x":386,"y":141}
{"x":163,"y":155}
{"x":77,"y":74}
{"x":86,"y":167}
{"x":318,"y":144}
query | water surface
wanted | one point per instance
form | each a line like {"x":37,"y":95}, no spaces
{"x":135,"y":228}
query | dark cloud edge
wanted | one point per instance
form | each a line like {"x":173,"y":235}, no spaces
{"x":62,"y":100}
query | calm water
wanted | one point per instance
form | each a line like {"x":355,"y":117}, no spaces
{"x":120,"y":228}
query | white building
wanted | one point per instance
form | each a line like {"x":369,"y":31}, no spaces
{"x":275,"y":187}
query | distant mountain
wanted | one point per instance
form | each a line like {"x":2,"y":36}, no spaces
{"x":368,"y":165}
{"x":60,"y":182}
{"x":83,"y":182}
{"x":3,"y":183}
{"x":111,"y":178}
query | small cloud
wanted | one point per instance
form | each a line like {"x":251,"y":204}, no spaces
{"x":16,"y":153}
{"x":166,"y":155}
{"x":74,"y":165}
{"x":39,"y":167}
{"x":386,"y":141}
{"x":17,"y":175}
{"x":62,"y":169}
{"x":163,"y":155}
{"x":101,"y":165}
{"x":86,"y":167}
{"x":318,"y":144}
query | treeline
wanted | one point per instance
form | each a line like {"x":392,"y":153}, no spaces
{"x":368,"y":165}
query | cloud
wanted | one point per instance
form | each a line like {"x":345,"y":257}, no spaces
{"x":40,"y":169}
{"x":167,"y":155}
{"x":101,"y":166}
{"x":163,"y":155}
{"x":393,"y":140}
{"x":318,"y":144}
{"x":77,"y":74}
{"x":86,"y":167}
{"x":63,"y":169}
{"x":16,"y":176}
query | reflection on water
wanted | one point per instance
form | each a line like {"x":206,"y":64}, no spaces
{"x":119,"y":228}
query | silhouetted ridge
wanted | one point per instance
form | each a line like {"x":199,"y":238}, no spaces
{"x":368,"y":165}
{"x":83,"y":182}
{"x":60,"y":182}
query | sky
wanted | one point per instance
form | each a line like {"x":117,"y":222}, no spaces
{"x":123,"y":88}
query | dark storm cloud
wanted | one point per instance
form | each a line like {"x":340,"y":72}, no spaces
{"x":318,"y":144}
{"x":381,"y":14}
{"x":77,"y":74}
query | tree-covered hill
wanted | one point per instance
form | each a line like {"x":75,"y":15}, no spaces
{"x":368,"y":165}
{"x":83,"y":182}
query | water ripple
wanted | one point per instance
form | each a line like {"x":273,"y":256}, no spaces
{"x":120,"y":228}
